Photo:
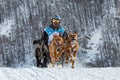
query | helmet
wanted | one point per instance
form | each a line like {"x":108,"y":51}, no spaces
{"x":56,"y":17}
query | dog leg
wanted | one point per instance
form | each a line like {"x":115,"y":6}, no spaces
{"x":45,"y":62}
{"x":73,"y":61}
{"x":59,"y":55}
{"x":52,"y":56}
{"x":37,"y":60}
{"x":62,"y":59}
{"x":52,"y":62}
{"x":72,"y":64}
{"x":74,"y":53}
{"x":67,"y":56}
{"x":73,"y":58}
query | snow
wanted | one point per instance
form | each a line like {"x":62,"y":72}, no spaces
{"x":5,"y":27}
{"x":33,"y":73}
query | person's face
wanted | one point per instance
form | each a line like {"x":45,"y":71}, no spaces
{"x":55,"y":22}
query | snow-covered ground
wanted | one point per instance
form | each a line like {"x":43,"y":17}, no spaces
{"x":33,"y":73}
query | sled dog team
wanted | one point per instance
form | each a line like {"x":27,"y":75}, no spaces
{"x":58,"y":46}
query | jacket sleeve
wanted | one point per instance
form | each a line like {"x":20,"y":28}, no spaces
{"x":45,"y":37}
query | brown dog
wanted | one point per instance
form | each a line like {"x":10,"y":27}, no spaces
{"x":56,"y":48}
{"x":72,"y":46}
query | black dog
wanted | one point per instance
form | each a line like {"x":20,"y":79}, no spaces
{"x":41,"y":53}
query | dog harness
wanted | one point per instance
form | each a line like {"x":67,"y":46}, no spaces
{"x":52,"y":32}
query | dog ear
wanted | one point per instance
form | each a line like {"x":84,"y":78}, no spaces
{"x":75,"y":32}
{"x":39,"y":41}
{"x":69,"y":34}
{"x":35,"y":42}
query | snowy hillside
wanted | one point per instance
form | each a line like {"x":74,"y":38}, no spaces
{"x":34,"y":73}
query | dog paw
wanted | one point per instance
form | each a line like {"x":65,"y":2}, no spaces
{"x":71,"y":60}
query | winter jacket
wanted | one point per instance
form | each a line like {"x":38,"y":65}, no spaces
{"x":48,"y":31}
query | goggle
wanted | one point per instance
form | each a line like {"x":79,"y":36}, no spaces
{"x":55,"y":20}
